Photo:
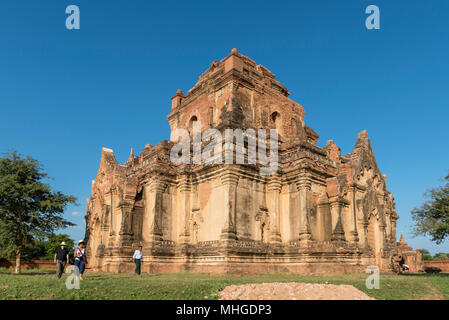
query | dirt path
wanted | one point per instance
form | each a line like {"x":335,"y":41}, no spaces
{"x":292,"y":291}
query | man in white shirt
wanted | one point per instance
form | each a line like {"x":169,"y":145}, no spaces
{"x":138,"y":260}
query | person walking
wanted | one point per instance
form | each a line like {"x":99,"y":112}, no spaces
{"x":61,"y":258}
{"x":80,"y":258}
{"x":138,"y":260}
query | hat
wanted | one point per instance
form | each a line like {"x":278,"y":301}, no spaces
{"x":81,"y":241}
{"x":62,"y":243}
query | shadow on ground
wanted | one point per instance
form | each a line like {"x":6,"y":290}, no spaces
{"x":423,"y":274}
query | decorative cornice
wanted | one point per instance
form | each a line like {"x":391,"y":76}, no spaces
{"x":184,"y":185}
{"x":229,"y":178}
{"x":274,"y":185}
{"x":304,"y":181}
{"x":155,"y":184}
{"x":338,"y":200}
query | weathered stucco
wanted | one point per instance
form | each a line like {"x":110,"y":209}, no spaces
{"x":321,"y":211}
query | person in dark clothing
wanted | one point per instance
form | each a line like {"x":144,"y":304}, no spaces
{"x":61,"y":259}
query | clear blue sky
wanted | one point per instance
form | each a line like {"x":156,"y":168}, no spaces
{"x":64,"y":94}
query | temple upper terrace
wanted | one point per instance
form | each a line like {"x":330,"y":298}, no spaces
{"x":233,"y":67}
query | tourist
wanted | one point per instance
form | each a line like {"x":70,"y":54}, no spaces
{"x":80,"y":259}
{"x":61,"y":258}
{"x":138,"y":260}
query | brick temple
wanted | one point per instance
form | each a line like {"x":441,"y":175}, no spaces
{"x":320,"y":212}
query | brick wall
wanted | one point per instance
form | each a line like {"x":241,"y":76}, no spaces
{"x":29,"y":264}
{"x":442,"y":264}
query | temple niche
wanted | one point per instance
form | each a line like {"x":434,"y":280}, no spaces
{"x":319,"y":212}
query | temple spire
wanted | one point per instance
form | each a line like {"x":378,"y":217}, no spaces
{"x":131,"y":155}
{"x":402,"y":240}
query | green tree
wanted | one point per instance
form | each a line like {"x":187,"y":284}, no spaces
{"x":34,"y":249}
{"x":29,"y":208}
{"x":440,"y":256}
{"x":432,"y":218}
{"x":425,"y":254}
{"x":54,"y":241}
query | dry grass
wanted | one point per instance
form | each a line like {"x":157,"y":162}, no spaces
{"x":38,"y":284}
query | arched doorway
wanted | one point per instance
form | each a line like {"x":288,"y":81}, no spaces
{"x":192,"y":120}
{"x":276,"y":119}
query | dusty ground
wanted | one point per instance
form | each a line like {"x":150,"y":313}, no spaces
{"x":292,"y":291}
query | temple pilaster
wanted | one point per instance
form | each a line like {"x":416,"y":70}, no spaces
{"x":336,"y":203}
{"x":153,"y":210}
{"x":393,"y":226}
{"x":274,"y":188}
{"x":114,"y":228}
{"x":184,"y":209}
{"x":125,"y":233}
{"x":113,"y":202}
{"x":304,"y":186}
{"x":353,"y":234}
{"x":230,"y":181}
